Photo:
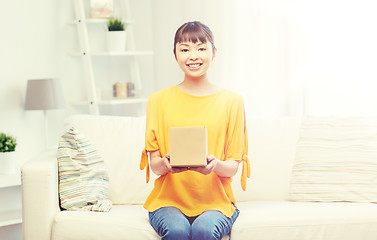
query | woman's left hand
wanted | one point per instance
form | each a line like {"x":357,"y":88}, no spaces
{"x":211,"y":165}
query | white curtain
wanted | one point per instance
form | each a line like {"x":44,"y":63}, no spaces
{"x":295,"y":57}
{"x":307,"y":57}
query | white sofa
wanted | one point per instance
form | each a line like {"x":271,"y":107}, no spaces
{"x":266,"y":212}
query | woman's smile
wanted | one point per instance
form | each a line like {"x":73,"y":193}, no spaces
{"x":194,"y":66}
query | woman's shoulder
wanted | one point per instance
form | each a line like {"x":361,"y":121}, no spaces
{"x":231,"y":95}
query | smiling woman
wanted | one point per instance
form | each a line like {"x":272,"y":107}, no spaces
{"x":196,"y":202}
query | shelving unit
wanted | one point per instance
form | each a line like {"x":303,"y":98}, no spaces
{"x":10,"y":217}
{"x":115,"y":101}
{"x":81,"y":22}
{"x":120,"y":54}
{"x":10,"y":180}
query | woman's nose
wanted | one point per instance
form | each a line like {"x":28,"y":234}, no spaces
{"x":193,"y":55}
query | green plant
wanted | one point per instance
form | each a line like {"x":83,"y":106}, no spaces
{"x":7,"y":143}
{"x":115,"y":24}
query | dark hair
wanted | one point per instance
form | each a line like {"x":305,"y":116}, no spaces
{"x":194,"y":32}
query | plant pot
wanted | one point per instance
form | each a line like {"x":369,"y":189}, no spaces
{"x":116,"y":41}
{"x":7,"y":163}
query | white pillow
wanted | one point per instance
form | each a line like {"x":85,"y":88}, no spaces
{"x":336,"y":160}
{"x":83,"y":179}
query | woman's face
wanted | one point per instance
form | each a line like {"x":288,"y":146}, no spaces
{"x":194,"y":58}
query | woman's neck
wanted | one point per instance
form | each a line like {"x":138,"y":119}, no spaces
{"x":198,"y":87}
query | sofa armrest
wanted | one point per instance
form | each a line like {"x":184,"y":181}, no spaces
{"x":40,"y":198}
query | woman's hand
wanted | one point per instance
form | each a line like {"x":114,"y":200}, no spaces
{"x":211,"y":165}
{"x":171,"y":169}
{"x":226,"y":168}
{"x":161,"y":165}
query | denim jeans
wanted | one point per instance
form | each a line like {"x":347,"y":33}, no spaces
{"x":171,"y":223}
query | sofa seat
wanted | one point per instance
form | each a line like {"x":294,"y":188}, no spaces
{"x":305,"y":221}
{"x":123,"y":220}
{"x":265,"y":220}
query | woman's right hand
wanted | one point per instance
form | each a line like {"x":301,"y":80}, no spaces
{"x":171,"y":169}
{"x":161,"y":165}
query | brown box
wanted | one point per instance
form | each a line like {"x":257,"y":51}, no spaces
{"x":188,"y":146}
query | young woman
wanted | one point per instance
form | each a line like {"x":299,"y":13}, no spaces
{"x":195,"y":203}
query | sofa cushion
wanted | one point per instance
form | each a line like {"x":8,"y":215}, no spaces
{"x":336,"y":160}
{"x":122,"y":222}
{"x":272,"y":147}
{"x":305,"y":221}
{"x":83,"y":180}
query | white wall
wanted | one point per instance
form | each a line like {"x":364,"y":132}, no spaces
{"x":27,"y":51}
{"x":34,"y":43}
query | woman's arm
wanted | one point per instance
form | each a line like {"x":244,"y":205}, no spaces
{"x":161,"y":165}
{"x":226,"y":168}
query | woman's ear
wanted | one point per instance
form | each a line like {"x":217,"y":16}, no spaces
{"x":214,"y":53}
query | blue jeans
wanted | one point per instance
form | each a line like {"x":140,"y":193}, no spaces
{"x":171,"y":223}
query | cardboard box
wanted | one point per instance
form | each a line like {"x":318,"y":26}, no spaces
{"x":188,"y":146}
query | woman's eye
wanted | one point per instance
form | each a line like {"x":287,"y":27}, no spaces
{"x":184,"y":50}
{"x":202,"y":49}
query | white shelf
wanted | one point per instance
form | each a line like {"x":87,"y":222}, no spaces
{"x":114,"y":101}
{"x":127,"y":53}
{"x":119,"y":54}
{"x":97,"y":21}
{"x":10,"y":180}
{"x":10,"y":218}
{"x":85,"y":26}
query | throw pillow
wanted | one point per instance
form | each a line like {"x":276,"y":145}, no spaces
{"x":336,"y":160}
{"x":83,"y":179}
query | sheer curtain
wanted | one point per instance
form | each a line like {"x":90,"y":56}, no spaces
{"x":305,"y":57}
{"x":295,"y":57}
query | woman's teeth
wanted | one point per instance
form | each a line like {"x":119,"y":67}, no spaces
{"x":194,"y":66}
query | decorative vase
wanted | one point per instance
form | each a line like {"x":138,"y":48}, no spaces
{"x":116,"y":41}
{"x":8,"y":163}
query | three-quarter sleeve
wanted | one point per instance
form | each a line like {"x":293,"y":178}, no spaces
{"x":237,"y":141}
{"x":151,"y":133}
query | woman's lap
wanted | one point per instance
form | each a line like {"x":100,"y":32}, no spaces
{"x":171,"y":223}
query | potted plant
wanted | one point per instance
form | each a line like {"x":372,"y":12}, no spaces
{"x":7,"y":154}
{"x":116,"y":35}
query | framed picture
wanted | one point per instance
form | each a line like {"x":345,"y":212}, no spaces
{"x":102,"y":8}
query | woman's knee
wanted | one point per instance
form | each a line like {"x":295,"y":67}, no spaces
{"x":170,"y":223}
{"x":178,"y":231}
{"x":211,"y":225}
{"x":205,"y":231}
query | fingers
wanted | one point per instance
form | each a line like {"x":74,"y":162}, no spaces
{"x":167,"y":156}
{"x":179,"y":169}
{"x":210,"y":158}
{"x":203,"y":170}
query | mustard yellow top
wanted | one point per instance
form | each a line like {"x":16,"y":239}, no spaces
{"x":223,"y":115}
